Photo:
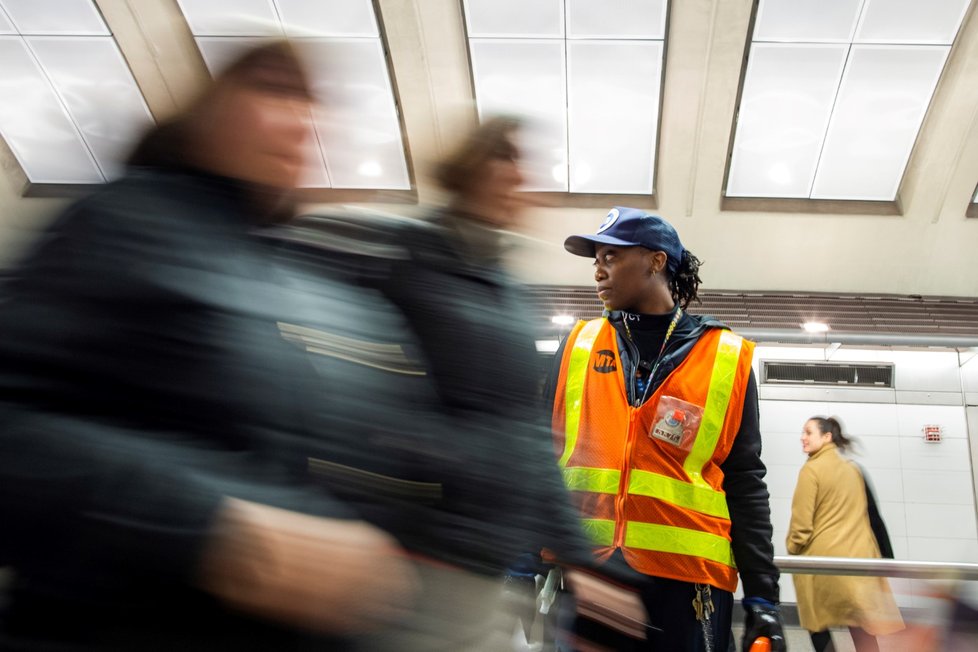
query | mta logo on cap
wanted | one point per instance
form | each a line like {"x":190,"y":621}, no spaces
{"x":631,"y":227}
{"x":609,"y":221}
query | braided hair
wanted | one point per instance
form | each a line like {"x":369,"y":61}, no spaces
{"x":685,"y":281}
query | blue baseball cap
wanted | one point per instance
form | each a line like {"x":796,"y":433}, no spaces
{"x":631,"y":227}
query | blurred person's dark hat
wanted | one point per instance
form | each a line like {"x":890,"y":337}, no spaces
{"x":631,"y":227}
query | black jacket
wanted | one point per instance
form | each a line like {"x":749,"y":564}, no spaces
{"x":143,"y":378}
{"x":466,"y":435}
{"x":747,"y":495}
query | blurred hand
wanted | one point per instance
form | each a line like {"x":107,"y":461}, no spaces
{"x":605,"y":601}
{"x":321,"y":574}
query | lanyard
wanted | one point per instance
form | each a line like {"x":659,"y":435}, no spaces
{"x":658,"y":359}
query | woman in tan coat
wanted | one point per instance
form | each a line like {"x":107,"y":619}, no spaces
{"x":829,"y":518}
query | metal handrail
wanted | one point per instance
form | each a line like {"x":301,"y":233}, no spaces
{"x":932,"y":570}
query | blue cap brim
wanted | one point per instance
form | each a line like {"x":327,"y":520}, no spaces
{"x":583,"y":245}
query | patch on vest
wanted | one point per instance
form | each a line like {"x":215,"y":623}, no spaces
{"x":676,"y":422}
{"x":604,"y":362}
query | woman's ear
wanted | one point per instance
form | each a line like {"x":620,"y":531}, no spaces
{"x":657,"y":262}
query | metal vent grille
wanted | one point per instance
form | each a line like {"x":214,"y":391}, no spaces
{"x":827,"y":373}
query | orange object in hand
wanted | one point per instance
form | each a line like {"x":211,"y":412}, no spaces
{"x":762,"y":644}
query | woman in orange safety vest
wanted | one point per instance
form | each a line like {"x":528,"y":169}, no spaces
{"x":656,"y":428}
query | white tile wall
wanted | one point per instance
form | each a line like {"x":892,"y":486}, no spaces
{"x":895,"y":516}
{"x":927,"y":371}
{"x":867,"y":420}
{"x":911,"y":418}
{"x":938,"y":487}
{"x":876,"y":450}
{"x":788,"y":416}
{"x":887,"y":484}
{"x":933,"y":549}
{"x":947,"y":455}
{"x":944,"y":521}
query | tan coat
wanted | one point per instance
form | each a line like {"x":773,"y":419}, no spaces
{"x":828,"y":518}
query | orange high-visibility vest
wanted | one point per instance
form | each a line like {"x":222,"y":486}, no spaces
{"x":658,"y":498}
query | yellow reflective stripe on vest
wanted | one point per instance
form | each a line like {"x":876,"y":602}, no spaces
{"x":599,"y":481}
{"x":666,"y":538}
{"x":574,"y":392}
{"x":691,"y":496}
{"x":601,"y":531}
{"x":715,"y":410}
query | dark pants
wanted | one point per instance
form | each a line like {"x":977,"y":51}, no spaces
{"x":672,"y":622}
{"x":861,"y":639}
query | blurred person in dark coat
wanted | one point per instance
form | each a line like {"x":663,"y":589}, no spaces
{"x":472,"y":428}
{"x":472,"y":320}
{"x":150,"y":410}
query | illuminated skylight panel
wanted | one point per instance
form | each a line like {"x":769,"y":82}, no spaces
{"x":55,"y":17}
{"x":72,"y":109}
{"x":924,"y":22}
{"x":526,"y":77}
{"x":231,"y":17}
{"x":357,"y":123}
{"x":98,"y":89}
{"x":633,"y":19}
{"x":328,"y":18}
{"x":293,"y":18}
{"x":786,"y":145}
{"x":881,"y":104}
{"x":6,"y":27}
{"x":514,"y":18}
{"x":358,"y":140}
{"x":806,"y":21}
{"x":784,"y":112}
{"x":36,"y":126}
{"x":612,"y":145}
{"x":588,"y":77}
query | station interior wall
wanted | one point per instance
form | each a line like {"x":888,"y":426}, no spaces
{"x":926,"y":491}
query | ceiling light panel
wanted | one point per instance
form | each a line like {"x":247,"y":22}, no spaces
{"x":74,"y":17}
{"x":527,"y":77}
{"x":893,"y":52}
{"x":591,"y":94}
{"x":36,"y":127}
{"x":607,"y":80}
{"x":74,"y":110}
{"x":813,"y":21}
{"x":515,"y":18}
{"x":6,"y":27}
{"x":328,"y":17}
{"x":933,"y":22}
{"x":358,"y":140}
{"x":96,"y":86}
{"x":357,"y":121}
{"x":625,"y":19}
{"x":881,"y":104}
{"x":219,"y":52}
{"x":785,"y":106}
{"x":231,"y":17}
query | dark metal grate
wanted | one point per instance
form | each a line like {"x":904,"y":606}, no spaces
{"x":911,"y":315}
{"x":827,"y":373}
